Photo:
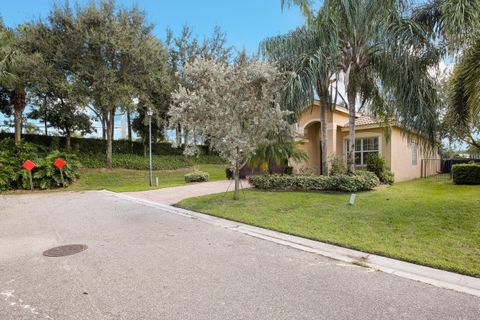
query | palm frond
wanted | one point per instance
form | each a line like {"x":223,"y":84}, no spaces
{"x":454,"y":21}
{"x":464,"y":97}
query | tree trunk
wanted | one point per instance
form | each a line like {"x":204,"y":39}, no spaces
{"x":45,"y":116}
{"x":112,"y":118}
{"x":109,"y":135}
{"x":69,"y":141}
{"x":323,"y":133}
{"x":351,"y":134}
{"x":236,"y":176}
{"x":178,"y":132}
{"x":18,"y":106}
{"x":104,"y":125}
{"x":129,"y":127}
{"x":185,"y":142}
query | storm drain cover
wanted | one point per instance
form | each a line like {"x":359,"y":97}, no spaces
{"x":65,"y":250}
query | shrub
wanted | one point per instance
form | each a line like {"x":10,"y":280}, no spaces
{"x":47,"y":176}
{"x":348,"y":183}
{"x":466,"y":173}
{"x":97,"y":145}
{"x":132,"y":161}
{"x":378,"y":166}
{"x":196,"y":176}
{"x":361,"y":180}
{"x":288,"y":170}
{"x":387,"y":177}
{"x":12,"y":157}
{"x":337,"y":166}
{"x":44,"y":175}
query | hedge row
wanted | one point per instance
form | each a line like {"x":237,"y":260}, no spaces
{"x":132,"y":161}
{"x":44,"y":175}
{"x":361,"y":181}
{"x":197,"y":176}
{"x":466,"y":173}
{"x":94,"y":145}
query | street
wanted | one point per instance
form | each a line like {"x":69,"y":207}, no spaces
{"x":144,"y":263}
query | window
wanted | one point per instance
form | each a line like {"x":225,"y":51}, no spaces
{"x":363,"y":148}
{"x":414,"y":153}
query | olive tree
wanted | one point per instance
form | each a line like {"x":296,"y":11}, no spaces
{"x":235,"y":106}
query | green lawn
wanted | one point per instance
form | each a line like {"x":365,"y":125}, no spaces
{"x":430,"y":222}
{"x":120,"y":180}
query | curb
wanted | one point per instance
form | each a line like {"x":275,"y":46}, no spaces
{"x":432,"y":276}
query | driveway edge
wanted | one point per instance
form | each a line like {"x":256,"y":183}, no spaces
{"x":432,"y":276}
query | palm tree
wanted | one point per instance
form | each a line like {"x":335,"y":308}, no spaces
{"x":383,"y":58}
{"x":16,"y":66}
{"x":463,"y":110}
{"x":308,"y":54}
{"x":454,"y":24}
{"x":7,"y":56}
{"x":279,"y":150}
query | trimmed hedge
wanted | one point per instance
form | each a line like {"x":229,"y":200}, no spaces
{"x":95,"y":145}
{"x":378,"y":165}
{"x":44,"y":175}
{"x":197,"y":176}
{"x":162,"y":162}
{"x":361,"y":181}
{"x":466,"y":173}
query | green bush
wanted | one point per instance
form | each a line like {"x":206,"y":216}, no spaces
{"x":44,"y":175}
{"x":12,"y":157}
{"x":362,"y":180}
{"x":378,"y":166}
{"x":132,"y":161}
{"x":337,"y":166}
{"x":387,"y":177}
{"x":97,"y":145}
{"x":47,"y":176}
{"x":466,"y":173}
{"x":197,"y":176}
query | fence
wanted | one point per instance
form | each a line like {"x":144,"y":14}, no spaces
{"x":431,"y":167}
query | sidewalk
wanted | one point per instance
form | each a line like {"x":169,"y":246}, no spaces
{"x":174,"y":195}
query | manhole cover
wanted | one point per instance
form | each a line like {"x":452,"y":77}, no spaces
{"x":66,"y":250}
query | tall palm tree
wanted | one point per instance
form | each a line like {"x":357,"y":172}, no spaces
{"x":309,"y":54}
{"x":7,"y":55}
{"x":454,"y":24}
{"x":384,"y":58}
{"x":463,"y":108}
{"x":16,"y":66}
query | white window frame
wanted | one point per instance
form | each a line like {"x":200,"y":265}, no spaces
{"x":361,"y":138}
{"x":414,"y":148}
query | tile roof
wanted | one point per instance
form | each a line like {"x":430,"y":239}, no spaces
{"x":364,"y":120}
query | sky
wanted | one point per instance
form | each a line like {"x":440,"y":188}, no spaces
{"x":246,"y":22}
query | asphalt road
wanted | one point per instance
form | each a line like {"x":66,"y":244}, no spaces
{"x":143,"y":263}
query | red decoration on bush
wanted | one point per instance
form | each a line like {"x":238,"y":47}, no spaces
{"x":59,"y":163}
{"x":29,"y":165}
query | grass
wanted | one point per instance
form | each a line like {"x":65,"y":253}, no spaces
{"x":430,"y":222}
{"x":121,"y":180}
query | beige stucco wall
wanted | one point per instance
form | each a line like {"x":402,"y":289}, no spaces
{"x":402,"y":155}
{"x":395,"y":147}
{"x":312,"y":133}
{"x":309,"y":127}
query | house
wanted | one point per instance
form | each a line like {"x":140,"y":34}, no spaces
{"x":403,"y":153}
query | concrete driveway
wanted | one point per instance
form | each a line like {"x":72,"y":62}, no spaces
{"x":176,"y":194}
{"x":145,"y":263}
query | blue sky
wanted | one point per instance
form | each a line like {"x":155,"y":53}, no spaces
{"x":246,"y":22}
